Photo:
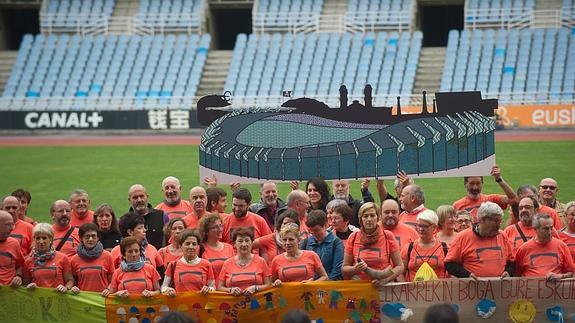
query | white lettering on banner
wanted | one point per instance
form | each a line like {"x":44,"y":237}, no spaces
{"x":158,"y":119}
{"x":542,"y":117}
{"x":62,"y":120}
{"x":179,"y":119}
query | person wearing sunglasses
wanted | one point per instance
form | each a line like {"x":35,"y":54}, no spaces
{"x":530,"y":190}
{"x":548,"y":190}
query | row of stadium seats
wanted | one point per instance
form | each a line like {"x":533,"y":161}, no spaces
{"x":170,"y":13}
{"x":316,"y":65}
{"x":71,"y":13}
{"x":148,"y":67}
{"x":526,"y":62}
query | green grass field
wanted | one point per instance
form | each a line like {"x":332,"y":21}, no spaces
{"x":51,"y":173}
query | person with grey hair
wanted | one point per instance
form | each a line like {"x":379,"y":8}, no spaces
{"x":298,"y":200}
{"x":411,"y":201}
{"x":173,"y":205}
{"x":338,"y":215}
{"x":548,"y":189}
{"x":567,"y":234}
{"x":80,"y":203}
{"x":22,"y":230}
{"x":482,"y":251}
{"x":269,"y":206}
{"x":544,"y":255}
{"x":155,"y":219}
{"x":12,"y":257}
{"x":530,"y":190}
{"x":341,"y":191}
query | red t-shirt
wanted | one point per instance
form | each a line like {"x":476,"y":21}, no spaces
{"x":22,"y":232}
{"x":218,"y":257}
{"x":71,"y":244}
{"x":179,"y":210}
{"x":410,"y":218}
{"x":11,"y":258}
{"x":434,"y":256}
{"x":535,"y":259}
{"x":249,"y":220}
{"x":269,"y":248}
{"x":377,"y":255}
{"x":190,"y":278}
{"x":404,"y":234}
{"x":295,"y":270}
{"x":51,"y":274}
{"x":93,"y":275}
{"x":569,"y":240}
{"x":471,"y":205}
{"x":484,"y":257}
{"x":76,"y":221}
{"x":135,"y":282}
{"x":167,"y":255}
{"x":243,"y":277}
{"x":152,"y":256}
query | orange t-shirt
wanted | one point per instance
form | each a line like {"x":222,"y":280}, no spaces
{"x":410,"y":218}
{"x":471,"y":205}
{"x":167,"y":255}
{"x":557,"y":222}
{"x":434,"y":256}
{"x":404,"y":234}
{"x":515,"y":238}
{"x":376,"y":256}
{"x":269,"y":248}
{"x":190,"y":278}
{"x":179,"y":210}
{"x":70,"y":246}
{"x":135,"y":282}
{"x":192,"y":220}
{"x":218,"y":257}
{"x":28,"y":219}
{"x":11,"y":258}
{"x":23,"y":233}
{"x":152,"y":256}
{"x":51,"y":274}
{"x":76,"y":221}
{"x":535,"y":259}
{"x":295,"y":270}
{"x":249,"y":220}
{"x":254,"y":273}
{"x":484,"y":257}
{"x":93,"y":275}
{"x":569,"y":240}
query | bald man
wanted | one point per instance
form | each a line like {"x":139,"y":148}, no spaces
{"x":22,"y":230}
{"x":154,"y":219}
{"x":12,"y":259}
{"x":173,"y":205}
{"x":199,"y":202}
{"x":548,"y":189}
{"x":66,"y":238}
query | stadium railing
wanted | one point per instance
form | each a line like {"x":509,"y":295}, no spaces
{"x":520,"y":18}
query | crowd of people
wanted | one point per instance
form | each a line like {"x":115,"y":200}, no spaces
{"x":193,"y":245}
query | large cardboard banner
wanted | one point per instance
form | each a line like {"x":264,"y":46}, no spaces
{"x":509,"y":300}
{"x":533,"y":116}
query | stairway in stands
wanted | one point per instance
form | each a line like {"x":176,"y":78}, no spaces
{"x":215,"y":72}
{"x":330,"y":15}
{"x":429,"y":70}
{"x":7,"y":60}
{"x":545,"y":16}
{"x":123,"y":8}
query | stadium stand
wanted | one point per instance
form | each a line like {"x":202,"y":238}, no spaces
{"x":316,"y":65}
{"x":388,"y":14}
{"x":496,"y":11}
{"x":532,"y":65}
{"x":171,"y":13}
{"x":71,"y":13}
{"x":279,"y":15}
{"x":142,"y":69}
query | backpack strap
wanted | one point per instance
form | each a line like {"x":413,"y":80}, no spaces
{"x":65,"y":238}
{"x":445,"y":248}
{"x":520,"y":232}
{"x":409,"y":249}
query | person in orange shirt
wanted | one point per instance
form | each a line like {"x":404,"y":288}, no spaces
{"x":80,"y":204}
{"x":173,"y":250}
{"x":299,"y":201}
{"x":245,"y":273}
{"x":403,"y":233}
{"x":105,"y":219}
{"x":133,"y":225}
{"x":474,"y":197}
{"x":46,"y":267}
{"x":482,"y":250}
{"x":428,"y":248}
{"x":173,"y":205}
{"x":216,"y":200}
{"x":371,"y":253}
{"x":462,"y":221}
{"x":567,"y":234}
{"x":547,"y":195}
{"x":530,"y":190}
{"x":199,"y":201}
{"x":92,"y":266}
{"x":338,"y":216}
{"x":544,"y":256}
{"x":135,"y":275}
{"x":22,"y":230}
{"x":11,"y":259}
{"x":411,"y":200}
{"x":241,"y":217}
{"x":190,"y":272}
{"x":447,"y":217}
{"x":25,"y":199}
{"x":65,"y":235}
{"x":271,"y":245}
{"x":295,"y":265}
{"x":214,"y":250}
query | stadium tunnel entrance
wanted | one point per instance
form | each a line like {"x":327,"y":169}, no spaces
{"x":14,"y":23}
{"x":435,"y":21}
{"x":227,"y":24}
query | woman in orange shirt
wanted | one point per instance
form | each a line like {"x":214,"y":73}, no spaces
{"x":295,"y":265}
{"x":190,"y":272}
{"x":46,"y":267}
{"x":92,"y":266}
{"x":447,"y":216}
{"x":271,"y":245}
{"x":173,"y":250}
{"x":135,"y":275}
{"x":245,"y":273}
{"x":133,"y":225}
{"x":213,"y":249}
